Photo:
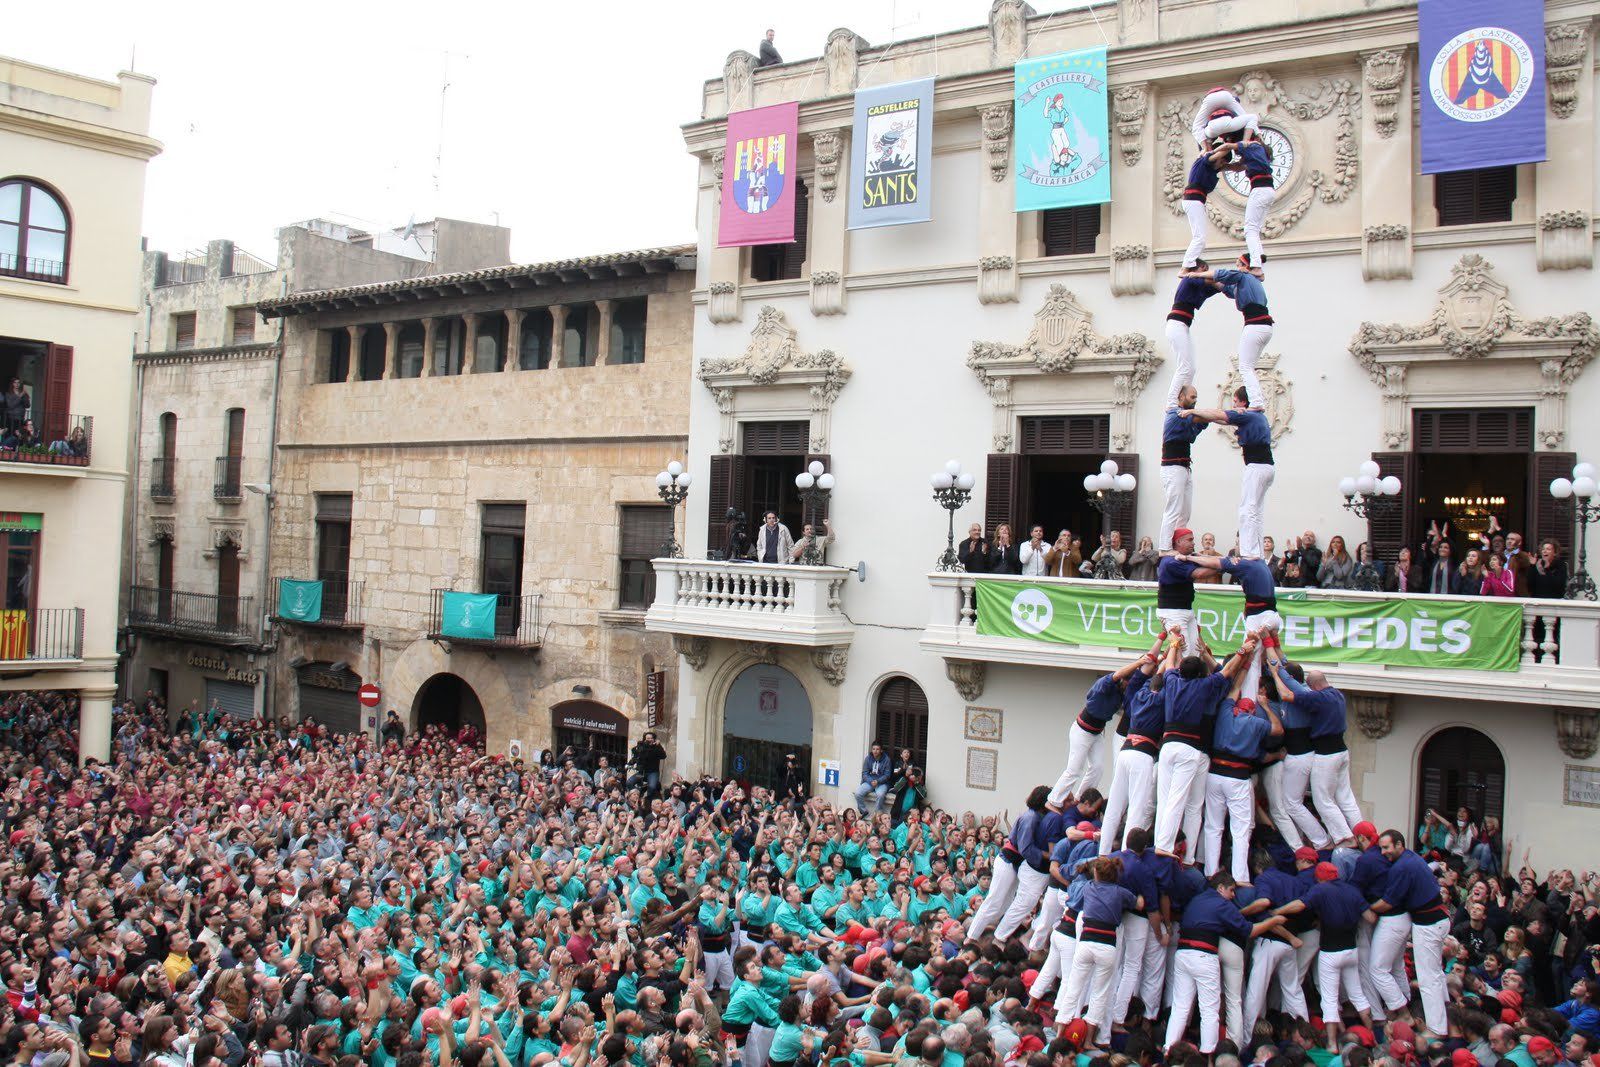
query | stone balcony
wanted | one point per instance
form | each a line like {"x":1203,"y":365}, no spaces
{"x":1561,"y":667}
{"x":787,"y":604}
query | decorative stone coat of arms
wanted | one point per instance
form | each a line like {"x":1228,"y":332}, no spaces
{"x":774,"y":358}
{"x":1276,"y":390}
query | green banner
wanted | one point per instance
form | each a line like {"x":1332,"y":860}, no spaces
{"x":1484,"y":635}
{"x":469,"y":615}
{"x":299,"y":600}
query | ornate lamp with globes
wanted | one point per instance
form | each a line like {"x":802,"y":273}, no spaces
{"x":1581,"y":487}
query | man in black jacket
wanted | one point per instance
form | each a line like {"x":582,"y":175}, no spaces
{"x":646,"y":759}
{"x":769,"y":56}
{"x":974,"y":551}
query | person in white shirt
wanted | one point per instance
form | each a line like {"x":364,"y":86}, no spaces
{"x":1032,"y":553}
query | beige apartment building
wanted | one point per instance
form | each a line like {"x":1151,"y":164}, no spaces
{"x":73,"y":152}
{"x":465,"y":503}
{"x":198,"y":572}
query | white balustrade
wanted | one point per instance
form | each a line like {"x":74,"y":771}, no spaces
{"x":782,"y":604}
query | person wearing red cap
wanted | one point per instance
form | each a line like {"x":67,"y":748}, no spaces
{"x":1175,"y":578}
{"x":1546,"y":1053}
{"x":1337,"y":906}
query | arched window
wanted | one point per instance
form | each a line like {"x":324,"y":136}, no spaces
{"x":33,"y":231}
{"x":1461,"y":767}
{"x":903,"y":719}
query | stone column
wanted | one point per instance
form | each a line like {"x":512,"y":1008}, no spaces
{"x":350,"y":374}
{"x":1386,"y":132}
{"x":723,"y":266}
{"x":391,"y":350}
{"x":997,"y":217}
{"x":1133,"y":230}
{"x":94,"y":723}
{"x":828,"y":244}
{"x":603,"y":349}
{"x":513,"y":339}
{"x":558,"y":330}
{"x":469,"y":346}
{"x":1563,"y":189}
{"x":430,"y":332}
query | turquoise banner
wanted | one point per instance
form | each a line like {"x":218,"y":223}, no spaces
{"x":469,"y":615}
{"x":299,"y":600}
{"x":1062,"y":134}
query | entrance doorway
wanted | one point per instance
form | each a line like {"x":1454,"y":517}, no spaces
{"x":767,"y":716}
{"x":1460,"y":767}
{"x":447,"y":700}
{"x":1472,"y":464}
{"x":591,"y":730}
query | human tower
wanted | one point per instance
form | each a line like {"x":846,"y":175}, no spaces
{"x":1134,"y":894}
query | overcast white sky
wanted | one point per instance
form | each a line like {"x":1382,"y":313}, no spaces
{"x":561,"y":119}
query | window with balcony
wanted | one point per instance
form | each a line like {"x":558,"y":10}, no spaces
{"x":646,"y":532}
{"x":504,"y":528}
{"x":243,"y":330}
{"x":164,"y":467}
{"x":533,"y":348}
{"x":35,"y":234}
{"x":1467,"y":197}
{"x":35,"y":397}
{"x":338,"y":342}
{"x":771,"y":263}
{"x":373,"y":353}
{"x":411,"y":340}
{"x":183,"y":329}
{"x":1070,"y":231}
{"x":228,"y":588}
{"x":230,"y":465}
{"x":627,"y":330}
{"x":333,"y":552}
{"x":580,"y":342}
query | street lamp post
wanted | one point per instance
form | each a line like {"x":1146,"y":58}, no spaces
{"x":1369,"y":495}
{"x":952,"y":488}
{"x":673,"y":486}
{"x":815,"y":485}
{"x":1581,"y":485}
{"x":1108,"y":490}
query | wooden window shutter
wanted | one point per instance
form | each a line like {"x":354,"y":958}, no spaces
{"x":1124,"y":517}
{"x":1000,"y":493}
{"x":1387,"y":533}
{"x":726,"y":491}
{"x":822,"y":509}
{"x":1071,"y":231}
{"x":1063,"y":435}
{"x":244,"y":325}
{"x":1552,"y":519}
{"x":794,"y":254}
{"x":776,"y":438}
{"x":57,"y":391}
{"x":183,"y":330}
{"x":645,"y":529}
{"x":902,"y":719}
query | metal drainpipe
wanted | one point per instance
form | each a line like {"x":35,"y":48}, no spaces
{"x":133,"y":492}
{"x":270,"y":499}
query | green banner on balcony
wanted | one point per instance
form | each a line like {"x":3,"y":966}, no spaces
{"x":299,"y":601}
{"x":1483,"y":635}
{"x":469,"y":615}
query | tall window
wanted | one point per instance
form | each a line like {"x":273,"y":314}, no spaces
{"x":164,"y":468}
{"x":1460,"y":767}
{"x":1070,"y":231}
{"x":34,"y":232}
{"x":19,"y":574}
{"x":227,"y":588}
{"x":533,"y":350}
{"x":580,"y":343}
{"x":489,"y":344}
{"x":338,"y":354}
{"x":333,"y":552}
{"x":411,"y":339}
{"x":627,"y":330}
{"x":902,"y":719}
{"x":183,"y":325}
{"x":1465,"y":197}
{"x":504,"y":527}
{"x":374,"y":350}
{"x":646,"y":530}
{"x":244,"y":326}
{"x":771,"y":263}
{"x":230,"y":467}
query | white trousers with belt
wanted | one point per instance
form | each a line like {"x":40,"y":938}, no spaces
{"x":1331,"y":793}
{"x":1387,"y":965}
{"x":1271,"y":959}
{"x":1132,"y":801}
{"x":1232,"y":800}
{"x":1297,"y":772}
{"x":1177,"y":493}
{"x":1195,"y":975}
{"x":1253,"y":488}
{"x":1031,"y":885}
{"x":1180,"y":796}
{"x":1085,"y":761}
{"x":1002,"y":887}
{"x":1339,"y":978}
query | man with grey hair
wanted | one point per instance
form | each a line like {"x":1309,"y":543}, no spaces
{"x":1001,"y":1029}
{"x":957,"y":1039}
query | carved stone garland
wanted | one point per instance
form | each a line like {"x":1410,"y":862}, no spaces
{"x":1374,"y":714}
{"x":1577,"y":731}
{"x":830,"y":662}
{"x":774,"y":357}
{"x":1566,"y":47}
{"x":1129,"y":105}
{"x":968,"y":675}
{"x":996,"y":119}
{"x":694,"y":650}
{"x":825,"y":149}
{"x":1275,"y":388}
{"x":1385,"y":72}
{"x":1063,"y":341}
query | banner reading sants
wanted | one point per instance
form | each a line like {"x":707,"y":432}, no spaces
{"x":1484,"y":635}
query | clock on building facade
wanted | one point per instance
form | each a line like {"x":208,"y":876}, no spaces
{"x":1282,"y":148}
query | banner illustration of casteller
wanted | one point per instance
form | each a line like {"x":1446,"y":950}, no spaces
{"x":1483,"y":635}
{"x":1483,"y":90}
{"x":1062,"y":131}
{"x":759,"y":172}
{"x":891,"y":155}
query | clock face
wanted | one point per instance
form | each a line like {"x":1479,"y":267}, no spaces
{"x":1282,"y":150}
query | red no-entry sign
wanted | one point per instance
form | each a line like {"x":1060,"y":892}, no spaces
{"x":369,"y":695}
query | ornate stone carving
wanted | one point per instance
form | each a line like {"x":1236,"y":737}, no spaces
{"x":1385,"y":72}
{"x":1122,"y":252}
{"x":1374,"y":714}
{"x":228,"y":537}
{"x":1063,"y":340}
{"x":718,"y":157}
{"x":1134,"y":16}
{"x":830,"y":661}
{"x":1386,"y":252}
{"x":1577,"y":731}
{"x":1565,"y":220}
{"x":762,"y":651}
{"x":1276,"y":389}
{"x":723,"y":306}
{"x":774,"y":357}
{"x":163,"y":528}
{"x":1129,"y":105}
{"x":825,"y":151}
{"x":827,"y":292}
{"x":1564,"y":241}
{"x":694,"y":650}
{"x":841,"y":57}
{"x":997,"y":280}
{"x":997,"y":138}
{"x":1008,"y":30}
{"x":738,"y":80}
{"x":1566,"y":46}
{"x":968,"y":676}
{"x":1133,"y":270}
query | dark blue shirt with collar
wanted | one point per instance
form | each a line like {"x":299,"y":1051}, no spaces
{"x":1202,"y":177}
{"x":1257,"y":162}
{"x":1240,"y":734}
{"x":1277,"y":887}
{"x":1184,"y":884}
{"x":1139,"y":879}
{"x":1189,"y":701}
{"x":1412,"y":886}
{"x":1210,"y":913}
{"x":1180,"y":429}
{"x":1245,"y":288}
{"x":1251,"y":427}
{"x":1255,"y":577}
{"x":1145,"y":709}
{"x":1325,"y":707}
{"x":1336,"y":904}
{"x":1371,"y":875}
{"x":1103,"y":699}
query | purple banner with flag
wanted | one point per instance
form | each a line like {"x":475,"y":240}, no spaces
{"x":1483,"y":91}
{"x":759,"y":173}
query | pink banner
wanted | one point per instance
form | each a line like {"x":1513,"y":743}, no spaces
{"x":758,"y":176}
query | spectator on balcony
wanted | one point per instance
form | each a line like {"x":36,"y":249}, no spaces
{"x":1274,"y":562}
{"x":1305,"y":552}
{"x":14,"y":405}
{"x":1032,"y":553}
{"x":21,"y":436}
{"x":1111,"y":559}
{"x":1547,"y":579}
{"x":1142,"y":564}
{"x":76,"y":444}
{"x":1441,"y":564}
{"x":774,"y":543}
{"x":973,"y":553}
{"x":768,"y":52}
{"x":1498,"y":579}
{"x":1509,"y":548}
{"x":1063,"y":561}
{"x":1208,"y":547}
{"x":809,"y":543}
{"x":1469,"y":576}
{"x":1337,"y":566}
{"x":1003,"y":558}
{"x":1368,"y":575}
{"x":1404,"y":577}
